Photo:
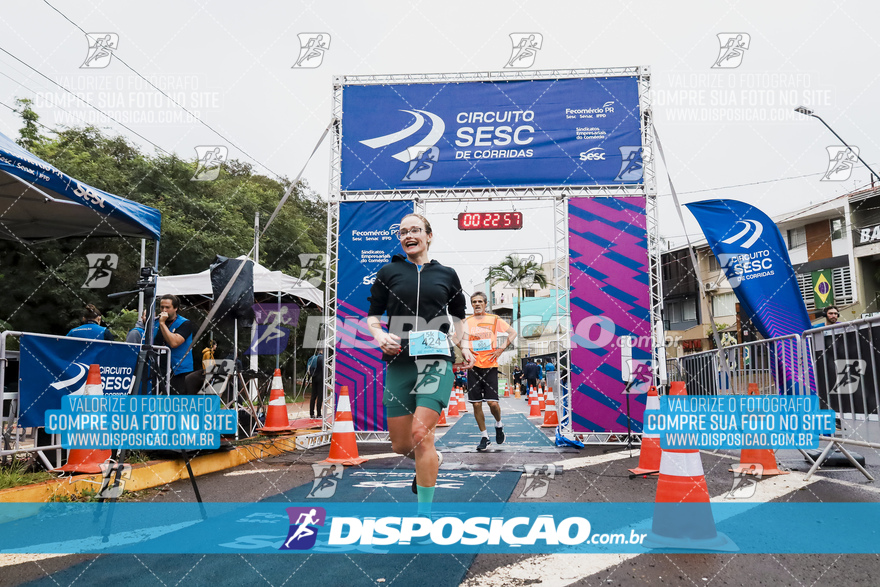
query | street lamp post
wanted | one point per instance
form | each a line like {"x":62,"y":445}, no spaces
{"x":807,"y":112}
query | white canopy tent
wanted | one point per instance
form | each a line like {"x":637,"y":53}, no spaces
{"x":265,"y":281}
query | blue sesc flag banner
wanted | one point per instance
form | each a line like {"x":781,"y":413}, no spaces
{"x":52,"y":368}
{"x":754,"y":258}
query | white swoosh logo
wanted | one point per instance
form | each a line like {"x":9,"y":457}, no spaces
{"x":397,"y":136}
{"x":758,"y":227}
{"x":59,"y":385}
{"x":437,"y":129}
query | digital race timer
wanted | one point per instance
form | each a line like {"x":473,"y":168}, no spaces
{"x":490,"y":221}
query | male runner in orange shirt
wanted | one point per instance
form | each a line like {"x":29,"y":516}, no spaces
{"x":481,"y":331}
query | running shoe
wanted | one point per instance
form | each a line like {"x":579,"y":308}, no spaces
{"x":484,"y":444}
{"x":499,"y":434}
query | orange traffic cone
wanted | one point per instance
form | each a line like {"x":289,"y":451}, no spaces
{"x":88,"y":460}
{"x":506,"y":390}
{"x":442,"y":423}
{"x":453,"y":404}
{"x":542,"y":401}
{"x":535,"y":408}
{"x":551,"y":419}
{"x":462,"y":405}
{"x":276,"y":412}
{"x":649,"y":457}
{"x":682,"y":512}
{"x":343,"y":443}
{"x":765,"y":457}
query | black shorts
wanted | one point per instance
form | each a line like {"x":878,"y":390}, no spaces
{"x":483,"y":384}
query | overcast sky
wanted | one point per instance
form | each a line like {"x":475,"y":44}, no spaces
{"x":230,"y":63}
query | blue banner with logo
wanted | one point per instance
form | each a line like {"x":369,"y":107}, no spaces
{"x":367,"y":240}
{"x":562,"y":132}
{"x":52,"y":368}
{"x":754,"y":258}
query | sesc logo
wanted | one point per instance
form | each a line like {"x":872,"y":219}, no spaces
{"x":369,"y":279}
{"x":594,"y":154}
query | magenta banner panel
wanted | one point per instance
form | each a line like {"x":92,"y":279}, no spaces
{"x":610,"y":310}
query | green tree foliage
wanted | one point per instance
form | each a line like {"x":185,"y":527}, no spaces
{"x":29,"y":134}
{"x":519,"y":273}
{"x":42,"y":283}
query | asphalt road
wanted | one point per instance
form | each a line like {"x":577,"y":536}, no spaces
{"x":593,"y":474}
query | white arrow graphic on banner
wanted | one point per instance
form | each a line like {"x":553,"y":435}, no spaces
{"x":59,"y":385}
{"x":437,"y":129}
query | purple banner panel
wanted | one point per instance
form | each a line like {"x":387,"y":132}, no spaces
{"x":610,"y":309}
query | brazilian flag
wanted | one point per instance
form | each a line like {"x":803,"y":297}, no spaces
{"x":823,"y":292}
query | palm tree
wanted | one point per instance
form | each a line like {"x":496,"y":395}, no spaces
{"x":519,"y":273}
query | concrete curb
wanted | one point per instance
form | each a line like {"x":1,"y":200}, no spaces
{"x":154,"y":473}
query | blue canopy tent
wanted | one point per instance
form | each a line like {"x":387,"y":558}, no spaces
{"x":39,"y":202}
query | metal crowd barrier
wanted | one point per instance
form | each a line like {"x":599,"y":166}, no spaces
{"x":839,"y":363}
{"x":773,"y":364}
{"x":844,"y":358}
{"x":11,"y":434}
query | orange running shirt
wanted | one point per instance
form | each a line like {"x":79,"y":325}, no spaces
{"x":480,"y":333}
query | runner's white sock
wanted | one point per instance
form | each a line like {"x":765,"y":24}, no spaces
{"x":485,"y":434}
{"x":498,"y":424}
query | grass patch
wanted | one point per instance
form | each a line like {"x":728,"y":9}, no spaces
{"x":19,"y":473}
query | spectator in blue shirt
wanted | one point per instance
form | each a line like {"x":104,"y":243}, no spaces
{"x":91,"y":326}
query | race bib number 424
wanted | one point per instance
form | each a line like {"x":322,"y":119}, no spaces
{"x":428,"y":342}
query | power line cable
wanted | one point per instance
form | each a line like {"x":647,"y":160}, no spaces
{"x":169,"y":98}
{"x":126,"y":127}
